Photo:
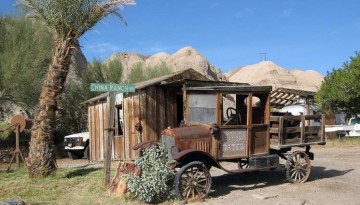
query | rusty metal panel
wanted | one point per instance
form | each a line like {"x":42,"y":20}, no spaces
{"x":203,"y":145}
{"x":232,"y":143}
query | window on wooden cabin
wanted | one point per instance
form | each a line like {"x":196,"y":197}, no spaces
{"x":202,"y":108}
{"x":119,"y":121}
{"x":258,"y":109}
{"x":234,"y":109}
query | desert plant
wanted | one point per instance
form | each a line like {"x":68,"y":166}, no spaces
{"x":156,"y":182}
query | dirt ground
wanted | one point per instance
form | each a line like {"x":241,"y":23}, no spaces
{"x":334,"y":179}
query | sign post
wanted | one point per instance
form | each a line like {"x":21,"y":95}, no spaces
{"x":111,"y":88}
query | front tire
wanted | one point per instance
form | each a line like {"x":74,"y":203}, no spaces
{"x":87,"y":152}
{"x":192,"y":180}
{"x":75,"y":154}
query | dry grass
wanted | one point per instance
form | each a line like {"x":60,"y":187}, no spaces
{"x":69,"y":186}
{"x":347,"y":141}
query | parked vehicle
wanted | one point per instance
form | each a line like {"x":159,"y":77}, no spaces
{"x":242,"y":132}
{"x":77,"y":145}
{"x":356,"y":130}
{"x":300,"y":109}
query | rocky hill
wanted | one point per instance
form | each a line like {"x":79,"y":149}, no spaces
{"x":268,"y":73}
{"x":184,"y":58}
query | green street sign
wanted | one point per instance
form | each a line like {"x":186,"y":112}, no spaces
{"x":110,"y":87}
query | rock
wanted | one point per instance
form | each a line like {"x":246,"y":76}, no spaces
{"x":13,"y":201}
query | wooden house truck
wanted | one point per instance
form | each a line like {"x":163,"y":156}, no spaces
{"x":156,"y":104}
{"x":141,"y":116}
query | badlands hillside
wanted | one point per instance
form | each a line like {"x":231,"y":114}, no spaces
{"x":268,"y":73}
{"x":263,"y":73}
{"x":184,"y":58}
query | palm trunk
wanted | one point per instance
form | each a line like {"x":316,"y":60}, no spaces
{"x":41,"y":160}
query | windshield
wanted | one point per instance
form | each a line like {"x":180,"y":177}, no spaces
{"x":355,"y":121}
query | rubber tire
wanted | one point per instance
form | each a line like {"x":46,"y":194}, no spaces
{"x":183,"y":169}
{"x":87,"y":152}
{"x":75,"y":154}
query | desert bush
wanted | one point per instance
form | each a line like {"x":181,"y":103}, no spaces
{"x":156,"y":182}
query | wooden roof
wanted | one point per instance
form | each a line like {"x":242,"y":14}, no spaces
{"x":188,"y":74}
{"x":283,"y":96}
{"x":172,"y":78}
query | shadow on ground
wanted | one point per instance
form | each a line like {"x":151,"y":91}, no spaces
{"x":318,"y":173}
{"x":81,"y":172}
{"x":224,"y":184}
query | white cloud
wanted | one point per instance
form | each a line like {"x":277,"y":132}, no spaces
{"x":243,"y":13}
{"x":286,"y":12}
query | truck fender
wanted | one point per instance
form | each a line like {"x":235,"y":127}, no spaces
{"x":144,"y":145}
{"x":189,"y":155}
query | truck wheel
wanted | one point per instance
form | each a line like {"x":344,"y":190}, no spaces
{"x":298,"y":167}
{"x":75,"y":154}
{"x":87,"y":152}
{"x":192,"y":180}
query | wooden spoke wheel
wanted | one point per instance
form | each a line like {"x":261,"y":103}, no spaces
{"x":243,"y":164}
{"x":298,"y":167}
{"x":192,"y":181}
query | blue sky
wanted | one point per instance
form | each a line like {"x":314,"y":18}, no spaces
{"x":308,"y":34}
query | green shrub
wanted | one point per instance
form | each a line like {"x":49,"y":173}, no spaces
{"x":156,"y":182}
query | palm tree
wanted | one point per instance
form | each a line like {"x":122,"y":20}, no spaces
{"x":68,"y":19}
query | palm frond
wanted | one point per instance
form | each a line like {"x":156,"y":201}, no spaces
{"x":74,"y":17}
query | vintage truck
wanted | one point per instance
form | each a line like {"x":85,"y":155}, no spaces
{"x":234,"y":124}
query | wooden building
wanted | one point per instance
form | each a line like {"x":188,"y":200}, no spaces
{"x":140,"y":116}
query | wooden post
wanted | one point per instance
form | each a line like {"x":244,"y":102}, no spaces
{"x":109,"y":139}
{"x":302,"y":133}
{"x":17,"y":149}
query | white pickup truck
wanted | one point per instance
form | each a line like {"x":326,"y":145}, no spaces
{"x":352,"y":129}
{"x":77,"y":145}
{"x":356,"y":131}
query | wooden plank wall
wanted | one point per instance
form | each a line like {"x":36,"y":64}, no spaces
{"x":157,"y":108}
{"x":97,"y":113}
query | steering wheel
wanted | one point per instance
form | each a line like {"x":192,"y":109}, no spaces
{"x":232,"y":114}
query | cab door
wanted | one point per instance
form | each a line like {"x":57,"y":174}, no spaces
{"x":244,"y":125}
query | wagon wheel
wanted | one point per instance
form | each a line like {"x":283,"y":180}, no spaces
{"x":298,"y":167}
{"x":192,"y":180}
{"x":243,"y":164}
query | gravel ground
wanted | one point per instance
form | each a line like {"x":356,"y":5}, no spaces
{"x":334,"y":179}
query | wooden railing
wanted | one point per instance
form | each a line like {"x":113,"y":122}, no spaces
{"x":288,"y":131}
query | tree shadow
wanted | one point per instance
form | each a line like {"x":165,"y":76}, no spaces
{"x":318,"y":173}
{"x":81,"y":172}
{"x":226,"y":183}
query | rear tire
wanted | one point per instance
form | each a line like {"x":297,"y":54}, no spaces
{"x":298,"y":167}
{"x":75,"y":154}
